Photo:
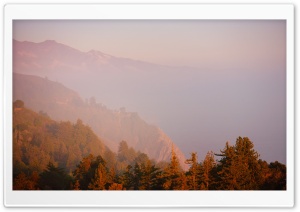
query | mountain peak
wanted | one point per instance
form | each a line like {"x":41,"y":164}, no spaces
{"x":99,"y":54}
{"x":50,"y":41}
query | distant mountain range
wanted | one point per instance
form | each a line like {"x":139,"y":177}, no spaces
{"x":153,"y":91}
{"x":106,"y":75}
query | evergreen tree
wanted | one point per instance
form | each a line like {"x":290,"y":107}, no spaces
{"x":100,"y":179}
{"x":276,"y":177}
{"x":174,"y":176}
{"x":239,"y":166}
{"x":83,"y":172}
{"x":151,"y":177}
{"x":127,"y":178}
{"x":193,"y":172}
{"x":54,"y":178}
{"x":206,"y":171}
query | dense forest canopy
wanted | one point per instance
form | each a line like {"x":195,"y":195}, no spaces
{"x":50,"y":155}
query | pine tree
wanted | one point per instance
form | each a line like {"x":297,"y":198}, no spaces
{"x":276,"y":177}
{"x":239,"y":166}
{"x":54,"y":178}
{"x":82,"y":172}
{"x":173,"y":174}
{"x":100,"y":179}
{"x":206,"y":169}
{"x":127,"y":178}
{"x":150,"y":177}
{"x":193,"y":172}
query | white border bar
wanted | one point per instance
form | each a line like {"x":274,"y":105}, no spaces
{"x":147,"y":11}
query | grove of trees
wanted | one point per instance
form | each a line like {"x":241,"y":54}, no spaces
{"x":63,"y":156}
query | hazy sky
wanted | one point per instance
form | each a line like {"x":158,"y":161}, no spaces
{"x":248,"y":57}
{"x":187,"y":43}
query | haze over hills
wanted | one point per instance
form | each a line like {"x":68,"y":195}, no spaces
{"x":114,"y":81}
{"x":154,"y":91}
{"x":198,"y":108}
{"x":117,"y":82}
{"x":112,"y":126}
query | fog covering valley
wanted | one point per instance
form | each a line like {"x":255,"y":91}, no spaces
{"x":112,"y":126}
{"x":198,"y":109}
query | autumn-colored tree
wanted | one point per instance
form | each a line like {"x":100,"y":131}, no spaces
{"x":38,"y":140}
{"x":100,"y":179}
{"x":92,"y":173}
{"x":24,"y":182}
{"x":116,"y":186}
{"x":20,"y":182}
{"x":206,"y":167}
{"x":239,"y":166}
{"x":82,"y":173}
{"x":276,"y":178}
{"x":263,"y":172}
{"x":174,"y":176}
{"x":193,"y":172}
{"x":18,"y":104}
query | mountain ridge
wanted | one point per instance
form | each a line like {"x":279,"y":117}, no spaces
{"x":51,"y":43}
{"x":112,"y":126}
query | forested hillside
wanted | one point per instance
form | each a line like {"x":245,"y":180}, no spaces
{"x":50,"y":155}
{"x":112,"y":126}
{"x":38,"y":140}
